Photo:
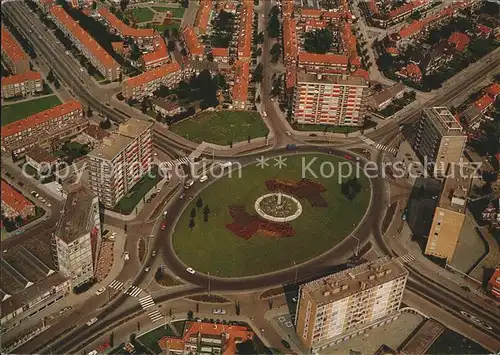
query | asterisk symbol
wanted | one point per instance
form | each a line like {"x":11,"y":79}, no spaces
{"x":262,"y":162}
{"x":280,"y":162}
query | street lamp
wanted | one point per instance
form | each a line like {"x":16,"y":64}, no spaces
{"x":357,"y":246}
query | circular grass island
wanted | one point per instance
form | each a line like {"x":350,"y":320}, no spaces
{"x":228,"y":238}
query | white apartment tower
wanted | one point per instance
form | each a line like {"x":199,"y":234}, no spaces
{"x":120,"y":161}
{"x":77,"y":237}
{"x":339,"y":306}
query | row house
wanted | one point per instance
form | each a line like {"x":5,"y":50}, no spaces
{"x":120,"y":161}
{"x":45,"y":129}
{"x":221,"y":55}
{"x":137,"y":87}
{"x":140,"y":35}
{"x":323,"y":63}
{"x":331,"y":100}
{"x":193,"y":45}
{"x":13,"y":56}
{"x":25,"y":84}
{"x":88,"y":46}
{"x":245,"y":31}
{"x":349,"y":43}
{"x":45,"y":5}
{"x":14,"y":204}
{"x":330,"y":16}
{"x":399,"y":14}
{"x":411,"y":72}
{"x":287,"y":8}
{"x":241,"y":83}
{"x":158,"y":57}
{"x":290,"y":42}
{"x":41,"y":160}
{"x":203,"y":16}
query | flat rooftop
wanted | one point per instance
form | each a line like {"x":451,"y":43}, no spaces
{"x":111,"y":146}
{"x":423,"y":338}
{"x":75,"y":219}
{"x":444,"y":121}
{"x":345,"y":283}
{"x":331,"y":79}
{"x":456,"y":189}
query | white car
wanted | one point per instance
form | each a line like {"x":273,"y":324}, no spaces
{"x":204,"y":178}
{"x":100,"y":291}
{"x":49,"y":204}
{"x":264,"y":113}
{"x":216,"y":311}
{"x":191,"y":271}
{"x":126,"y":255}
{"x":92,"y":321}
{"x":147,"y":269}
{"x":113,"y":235}
{"x":288,"y":133}
{"x":165,"y":213}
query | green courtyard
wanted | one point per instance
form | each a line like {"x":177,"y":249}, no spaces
{"x":209,"y":246}
{"x":15,"y":112}
{"x":222,"y":127}
{"x":177,"y":12}
{"x":142,"y":14}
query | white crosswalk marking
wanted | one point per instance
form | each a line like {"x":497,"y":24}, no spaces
{"x":407,"y":258}
{"x":379,"y":146}
{"x":367,"y":140}
{"x":133,"y":291}
{"x":146,"y":301}
{"x":155,"y":316}
{"x":115,"y":284}
{"x":177,"y":162}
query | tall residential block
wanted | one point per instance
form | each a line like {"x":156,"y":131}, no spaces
{"x":450,"y":212}
{"x":77,"y":237}
{"x":439,"y":139}
{"x":331,"y":100}
{"x":337,"y":307}
{"x":121,"y":160}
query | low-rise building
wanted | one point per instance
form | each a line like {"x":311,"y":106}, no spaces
{"x":459,"y":40}
{"x":145,"y":84}
{"x":411,"y":72}
{"x":14,"y":204}
{"x":77,"y":237}
{"x":221,"y":55}
{"x":241,"y":82}
{"x":138,"y":34}
{"x":494,"y":283}
{"x":384,"y":19}
{"x":385,"y":97}
{"x":323,"y":63}
{"x":94,"y":135}
{"x":45,"y":129}
{"x":27,"y":83}
{"x":158,"y":57}
{"x":203,"y":16}
{"x":245,"y":31}
{"x":12,"y":53}
{"x":193,"y":46}
{"x":88,"y":46}
{"x":166,"y":108}
{"x":290,"y":42}
{"x":41,"y":160}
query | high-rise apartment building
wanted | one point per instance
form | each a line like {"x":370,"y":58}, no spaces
{"x":331,"y":100}
{"x":339,"y":306}
{"x":77,"y":237}
{"x":120,"y":161}
{"x":449,"y":215}
{"x":439,"y":139}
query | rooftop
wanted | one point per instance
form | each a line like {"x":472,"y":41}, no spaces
{"x":305,"y":57}
{"x":484,"y":102}
{"x":444,"y":121}
{"x":389,"y":93}
{"x":220,"y":52}
{"x":21,"y":78}
{"x":165,"y":104}
{"x":345,"y":283}
{"x":96,"y":132}
{"x":245,"y":31}
{"x":114,"y":144}
{"x":493,"y":90}
{"x":152,"y":75}
{"x":241,"y":81}
{"x":41,"y":155}
{"x":456,"y":189}
{"x":159,"y":54}
{"x":75,"y":219}
{"x":192,"y":42}
{"x":344,"y":80}
{"x":84,"y":38}
{"x":122,"y":28}
{"x":423,"y":338}
{"x":459,"y":40}
{"x":13,"y":198}
{"x":11,"y":47}
{"x":40,"y":118}
{"x":290,"y":38}
{"x":203,"y":16}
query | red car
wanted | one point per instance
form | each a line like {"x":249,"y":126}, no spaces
{"x":163,"y":226}
{"x":347,"y":156}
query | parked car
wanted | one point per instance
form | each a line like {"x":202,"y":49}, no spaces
{"x":100,"y":291}
{"x":126,"y":255}
{"x":165,"y":213}
{"x":147,"y":269}
{"x":163,"y":226}
{"x":204,"y":178}
{"x":347,"y":156}
{"x":188,"y":184}
{"x":191,"y":271}
{"x":92,"y":321}
{"x":153,"y":254}
{"x":106,"y":231}
{"x":288,"y":133}
{"x":291,"y":147}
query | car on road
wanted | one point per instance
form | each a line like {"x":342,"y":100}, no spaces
{"x":92,"y":321}
{"x":105,"y":232}
{"x":264,"y":113}
{"x":181,"y":197}
{"x":188,"y":184}
{"x":163,"y":226}
{"x":165,"y":213}
{"x":153,"y":254}
{"x":288,"y":133}
{"x":347,"y":156}
{"x":49,"y":204}
{"x":294,"y":299}
{"x":126,"y":255}
{"x":190,"y":270}
{"x":35,"y":194}
{"x":204,"y":178}
{"x":57,"y":41}
{"x":291,"y":147}
{"x":147,"y":269}
{"x":68,"y":52}
{"x":100,"y":291}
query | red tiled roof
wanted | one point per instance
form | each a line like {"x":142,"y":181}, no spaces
{"x":14,"y":199}
{"x":392,"y":50}
{"x":373,"y":7}
{"x":153,"y":74}
{"x":11,"y":47}
{"x":493,"y":90}
{"x":160,"y":53}
{"x":21,"y":78}
{"x":168,"y":343}
{"x":412,"y":28}
{"x":288,"y":7}
{"x":305,"y":57}
{"x":203,"y":16}
{"x":220,"y":52}
{"x":349,"y":42}
{"x":362,"y":73}
{"x":291,"y":78}
{"x":290,"y":39}
{"x":245,"y":32}
{"x":494,"y":282}
{"x":122,"y":28}
{"x":322,"y":13}
{"x":484,"y":102}
{"x":242,"y":78}
{"x":484,"y":29}
{"x":407,"y":8}
{"x":413,"y":69}
{"x":193,"y":44}
{"x":39,"y":118}
{"x":117,"y":46}
{"x":312,"y":23}
{"x":84,"y":38}
{"x":460,"y":40}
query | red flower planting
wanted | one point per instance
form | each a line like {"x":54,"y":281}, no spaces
{"x":304,"y":188}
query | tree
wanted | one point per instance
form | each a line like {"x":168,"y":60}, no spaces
{"x":145,"y":105}
{"x":258,"y":73}
{"x":275,"y":52}
{"x":246,"y":347}
{"x":258,"y":52}
{"x":199,"y":203}
{"x":171,"y":45}
{"x":197,"y":307}
{"x":166,"y":33}
{"x":260,"y":37}
{"x":57,"y":85}
{"x":105,"y":124}
{"x":89,"y":112}
{"x":193,"y":213}
{"x":248,"y":139}
{"x":318,"y":41}
{"x":190,"y":315}
{"x":94,"y":5}
{"x":205,"y":218}
{"x":230,"y":144}
{"x":112,"y":339}
{"x":257,"y":100}
{"x":50,"y":76}
{"x":273,"y":27}
{"x":210,"y":57}
{"x":159,"y":116}
{"x":351,"y":188}
{"x":132,"y":338}
{"x":191,"y":224}
{"x":123,"y":5}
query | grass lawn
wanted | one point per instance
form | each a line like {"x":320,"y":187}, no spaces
{"x":221,"y":127}
{"x":150,"y":340}
{"x":142,"y":14}
{"x":451,"y":342}
{"x":134,"y":196}
{"x":177,"y":12}
{"x":334,"y":129}
{"x":317,"y":229}
{"x":161,"y":28}
{"x":14,"y":112}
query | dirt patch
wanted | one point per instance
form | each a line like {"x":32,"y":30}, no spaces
{"x":141,"y":249}
{"x":272,"y":292}
{"x":304,"y":188}
{"x":246,"y":225}
{"x":389,"y":216}
{"x":209,"y":299}
{"x":166,"y":280}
